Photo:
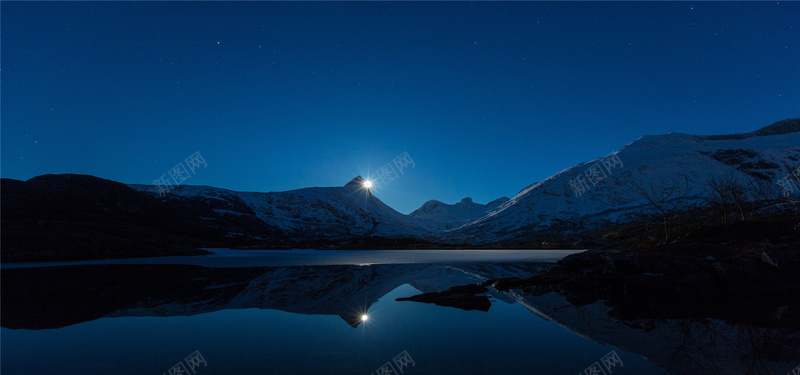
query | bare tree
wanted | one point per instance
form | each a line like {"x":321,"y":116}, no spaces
{"x":718,"y":197}
{"x":764,"y":192}
{"x":728,"y":194}
{"x":666,"y":200}
{"x":740,"y":195}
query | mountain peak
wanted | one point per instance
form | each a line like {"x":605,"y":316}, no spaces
{"x":357,"y":182}
{"x":466,"y":201}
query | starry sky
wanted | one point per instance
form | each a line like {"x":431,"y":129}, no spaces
{"x":485,"y":98}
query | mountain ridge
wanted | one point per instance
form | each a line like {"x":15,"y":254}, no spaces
{"x":34,"y":210}
{"x":651,"y":160}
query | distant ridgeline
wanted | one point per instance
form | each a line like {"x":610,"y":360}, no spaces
{"x":671,"y":191}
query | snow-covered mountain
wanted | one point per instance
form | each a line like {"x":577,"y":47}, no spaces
{"x":456,"y":215}
{"x":318,"y":212}
{"x":602,"y":191}
{"x":591,"y":194}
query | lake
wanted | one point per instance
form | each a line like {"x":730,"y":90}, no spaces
{"x":320,"y":312}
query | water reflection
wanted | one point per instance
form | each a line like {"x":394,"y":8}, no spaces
{"x":53,"y":297}
{"x":676,"y":342}
{"x":57,"y":297}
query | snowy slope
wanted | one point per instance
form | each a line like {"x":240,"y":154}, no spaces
{"x":455,"y":215}
{"x":605,"y":197}
{"x":663,"y":160}
{"x":319,"y":212}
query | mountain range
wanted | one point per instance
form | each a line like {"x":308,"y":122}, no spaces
{"x":96,"y":218}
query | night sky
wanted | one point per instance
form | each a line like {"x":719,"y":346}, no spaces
{"x":486,"y":98}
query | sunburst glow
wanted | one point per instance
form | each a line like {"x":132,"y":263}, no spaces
{"x":367,"y":184}
{"x":364,"y":318}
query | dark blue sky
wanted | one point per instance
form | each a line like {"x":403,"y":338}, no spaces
{"x":486,"y":98}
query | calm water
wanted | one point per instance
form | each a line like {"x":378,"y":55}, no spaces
{"x":256,"y":317}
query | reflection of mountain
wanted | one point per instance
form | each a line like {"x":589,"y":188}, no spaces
{"x":674,"y":338}
{"x":680,"y":345}
{"x":40,"y":298}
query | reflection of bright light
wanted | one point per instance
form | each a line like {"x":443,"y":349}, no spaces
{"x":367,"y":184}
{"x":364,"y":318}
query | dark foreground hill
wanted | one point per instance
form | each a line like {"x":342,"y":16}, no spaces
{"x":73,"y":217}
